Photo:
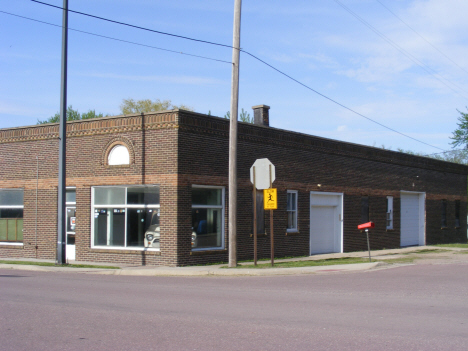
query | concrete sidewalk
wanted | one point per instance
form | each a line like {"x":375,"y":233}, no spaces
{"x":217,"y":270}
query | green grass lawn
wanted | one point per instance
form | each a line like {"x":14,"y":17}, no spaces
{"x":462,"y":246}
{"x":424,"y":251}
{"x":49,"y":264}
{"x":292,"y":264}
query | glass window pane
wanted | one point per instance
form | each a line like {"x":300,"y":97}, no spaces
{"x":3,"y":229}
{"x":70,"y":239}
{"x":291,"y":221}
{"x":11,"y":230}
{"x":11,"y":213}
{"x":70,"y":196}
{"x":152,"y":231}
{"x":206,"y":228}
{"x":19,"y":229}
{"x":11,"y":197}
{"x":109,"y":227}
{"x":138,"y":221}
{"x":71,"y":220}
{"x":109,"y":196}
{"x":119,"y":155}
{"x":143,"y":195}
{"x":205,"y":196}
{"x":291,"y":202}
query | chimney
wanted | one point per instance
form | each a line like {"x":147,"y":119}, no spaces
{"x":261,"y":116}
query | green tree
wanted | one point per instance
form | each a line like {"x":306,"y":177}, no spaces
{"x":460,"y":135}
{"x":244,"y":116}
{"x":455,"y":156}
{"x":72,"y":115}
{"x":131,"y":106}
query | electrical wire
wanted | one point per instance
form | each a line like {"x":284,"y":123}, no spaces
{"x":116,"y":39}
{"x":404,"y":52}
{"x":427,"y":41}
{"x":262,"y":61}
{"x":443,"y":152}
{"x":336,"y":102}
{"x":134,"y":26}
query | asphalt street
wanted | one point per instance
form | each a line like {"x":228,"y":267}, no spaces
{"x":415,"y":307}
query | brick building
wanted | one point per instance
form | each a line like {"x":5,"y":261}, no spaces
{"x":152,"y":189}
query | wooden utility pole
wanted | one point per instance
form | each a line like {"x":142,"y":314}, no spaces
{"x":233,"y":136}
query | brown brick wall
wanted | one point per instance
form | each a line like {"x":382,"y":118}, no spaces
{"x":152,"y":142}
{"x":303,"y":162}
{"x":177,"y":150}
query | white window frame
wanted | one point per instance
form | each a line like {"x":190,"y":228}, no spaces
{"x":120,"y":206}
{"x":295,"y":229}
{"x":14,"y":243}
{"x":389,"y":218}
{"x":222,"y":207}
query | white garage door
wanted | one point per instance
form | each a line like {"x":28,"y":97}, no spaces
{"x":412,"y":219}
{"x":325,"y":223}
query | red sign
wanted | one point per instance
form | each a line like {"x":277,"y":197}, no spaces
{"x":367,"y":225}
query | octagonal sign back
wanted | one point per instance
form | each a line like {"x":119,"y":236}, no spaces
{"x":262,"y":173}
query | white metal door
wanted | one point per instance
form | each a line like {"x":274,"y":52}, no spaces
{"x":412,"y":219}
{"x":325,"y":223}
{"x":322,"y":238}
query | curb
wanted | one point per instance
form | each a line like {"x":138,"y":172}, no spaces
{"x":201,"y":271}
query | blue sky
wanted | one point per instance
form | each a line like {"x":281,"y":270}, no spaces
{"x":317,"y":42}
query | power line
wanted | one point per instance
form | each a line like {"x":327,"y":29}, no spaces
{"x":443,"y":152}
{"x":336,"y":102}
{"x":427,"y":41}
{"x":262,"y":61}
{"x":134,"y":26}
{"x":404,"y":52}
{"x":116,"y":39}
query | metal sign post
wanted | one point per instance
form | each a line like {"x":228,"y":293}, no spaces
{"x":262,"y":176}
{"x":368,"y":245}
{"x":272,"y":245}
{"x":271,"y":203}
{"x":62,"y":174}
{"x":366,"y":227}
{"x":255,"y":217}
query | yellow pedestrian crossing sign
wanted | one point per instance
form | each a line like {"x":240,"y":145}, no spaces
{"x":270,"y":201}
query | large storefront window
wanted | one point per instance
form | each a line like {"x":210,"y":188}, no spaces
{"x":207,"y":217}
{"x":126,"y":217}
{"x":11,"y":215}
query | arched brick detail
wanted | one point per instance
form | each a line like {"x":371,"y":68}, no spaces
{"x":114,"y":142}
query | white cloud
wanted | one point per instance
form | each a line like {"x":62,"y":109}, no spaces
{"x":341,"y":128}
{"x":373,"y":60}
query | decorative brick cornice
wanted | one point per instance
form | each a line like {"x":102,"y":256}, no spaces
{"x":105,"y":125}
{"x":198,"y":123}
